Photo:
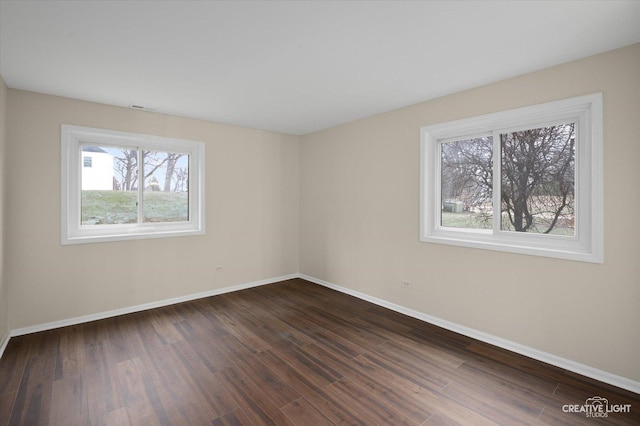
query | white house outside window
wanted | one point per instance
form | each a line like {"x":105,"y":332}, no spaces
{"x":118,"y":186}
{"x":527,"y":180}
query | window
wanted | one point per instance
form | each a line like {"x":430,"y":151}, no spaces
{"x":120,"y":186}
{"x":527,"y":180}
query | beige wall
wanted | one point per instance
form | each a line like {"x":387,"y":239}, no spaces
{"x":251,"y":215}
{"x":4,"y":304}
{"x":359,"y":223}
{"x":353,"y":193}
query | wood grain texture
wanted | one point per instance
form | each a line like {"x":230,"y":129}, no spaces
{"x":291,"y":353}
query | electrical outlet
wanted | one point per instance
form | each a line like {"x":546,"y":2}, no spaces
{"x":406,"y":284}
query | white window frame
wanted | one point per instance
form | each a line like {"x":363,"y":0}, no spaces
{"x":73,"y":232}
{"x":587,"y":243}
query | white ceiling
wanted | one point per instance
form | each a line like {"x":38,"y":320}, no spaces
{"x":293,"y":67}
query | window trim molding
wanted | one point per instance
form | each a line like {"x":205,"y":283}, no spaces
{"x":587,"y":244}
{"x":72,"y":232}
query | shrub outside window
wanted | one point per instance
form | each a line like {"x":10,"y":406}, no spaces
{"x":119,"y":186}
{"x":527,"y":180}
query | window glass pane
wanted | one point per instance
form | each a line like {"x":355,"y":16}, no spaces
{"x":538,"y":180}
{"x":166,"y":183}
{"x":466,"y":181}
{"x":109,"y":188}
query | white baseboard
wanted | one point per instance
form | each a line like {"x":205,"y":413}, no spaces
{"x":585,"y":370}
{"x":145,"y":306}
{"x":3,"y":343}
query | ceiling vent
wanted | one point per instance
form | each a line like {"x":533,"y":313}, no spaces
{"x":142,"y":108}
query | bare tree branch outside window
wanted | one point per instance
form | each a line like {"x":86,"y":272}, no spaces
{"x":162,"y":176}
{"x":537,"y":169}
{"x":467,"y":180}
{"x":538,"y":180}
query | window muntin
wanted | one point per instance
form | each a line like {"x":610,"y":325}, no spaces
{"x":139,"y":186}
{"x":573,"y":204}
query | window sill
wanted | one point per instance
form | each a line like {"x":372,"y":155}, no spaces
{"x":125,"y":236}
{"x":489,"y":242}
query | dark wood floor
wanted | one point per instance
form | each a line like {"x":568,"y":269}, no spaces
{"x":287,"y":353}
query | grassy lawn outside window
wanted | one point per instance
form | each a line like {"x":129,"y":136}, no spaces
{"x":118,"y":186}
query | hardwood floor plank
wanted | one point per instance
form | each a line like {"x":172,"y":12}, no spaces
{"x":311,"y":390}
{"x":184,"y":407}
{"x":160,"y":366}
{"x":235,"y":418}
{"x":336,"y":361}
{"x":13,"y":364}
{"x":286,"y":353}
{"x":568,"y":388}
{"x":346,"y":307}
{"x":308,"y":365}
{"x":459,"y":418}
{"x":6,"y":405}
{"x":210,"y":353}
{"x":68,"y":401}
{"x":500,"y":407}
{"x":302,"y":412}
{"x":325,"y":320}
{"x":33,"y":400}
{"x":277,"y":390}
{"x":102,"y":385}
{"x":577,"y":380}
{"x":140,"y":396}
{"x":441,"y":338}
{"x":164,"y":326}
{"x":272,"y":329}
{"x":95,"y":333}
{"x":198,"y":321}
{"x":298,"y":295}
{"x":425,"y":350}
{"x":358,"y":335}
{"x":516,"y":361}
{"x":242,"y":333}
{"x":556,"y":417}
{"x":504,"y":376}
{"x":201,"y":378}
{"x":70,"y":352}
{"x":415,"y":401}
{"x":237,"y":301}
{"x":252,"y":399}
{"x":122,"y":344}
{"x":371,"y":410}
{"x":301,"y":323}
{"x":406,"y":364}
{"x":117,"y":417}
{"x":382,"y":333}
{"x":385,"y":322}
{"x":338,"y":344}
{"x":181,"y":398}
{"x":32,"y":407}
{"x":451,"y":412}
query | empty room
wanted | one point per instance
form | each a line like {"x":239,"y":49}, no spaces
{"x":319,"y":212}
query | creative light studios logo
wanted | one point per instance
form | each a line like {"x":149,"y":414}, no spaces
{"x":597,"y":406}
